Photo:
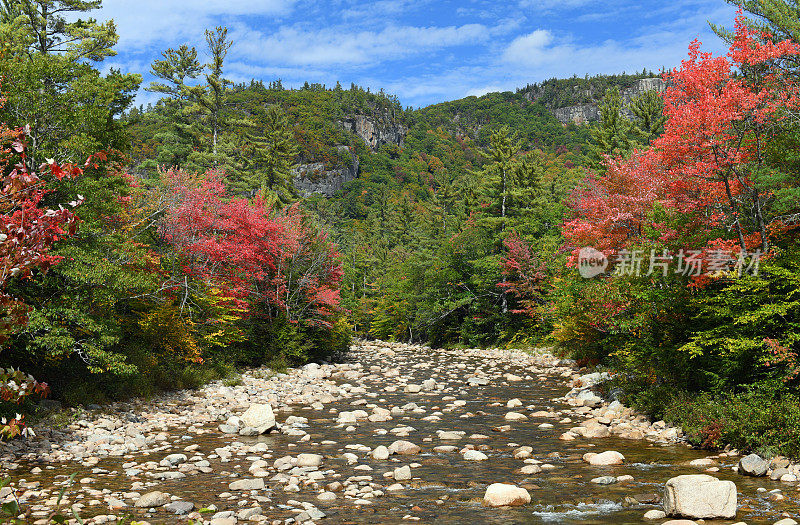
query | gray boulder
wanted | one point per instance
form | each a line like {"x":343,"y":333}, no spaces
{"x":180,"y":507}
{"x":753,"y":465}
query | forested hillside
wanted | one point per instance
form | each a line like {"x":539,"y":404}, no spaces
{"x":230,"y":225}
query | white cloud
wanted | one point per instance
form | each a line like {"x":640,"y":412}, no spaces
{"x":330,"y":46}
{"x":555,"y":4}
{"x":479,"y":92}
{"x":528,"y":49}
{"x":144,"y":22}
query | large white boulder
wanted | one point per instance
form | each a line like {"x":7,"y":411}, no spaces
{"x":502,"y":494}
{"x":700,"y":496}
{"x":609,"y":457}
{"x":259,"y":417}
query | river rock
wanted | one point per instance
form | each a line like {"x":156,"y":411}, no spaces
{"x":247,"y":484}
{"x":246,"y":514}
{"x":326,"y":496}
{"x":655,"y":514}
{"x":152,"y":499}
{"x":402,"y":473}
{"x":259,"y":417}
{"x":777,"y":473}
{"x":502,"y":494}
{"x":309,"y":460}
{"x":404,"y":448}
{"x":380,"y":453}
{"x":753,"y":465}
{"x":609,"y":457}
{"x":604,"y":480}
{"x":475,"y":455}
{"x":589,"y":398}
{"x":180,"y":507}
{"x":530,"y":469}
{"x":699,"y":496}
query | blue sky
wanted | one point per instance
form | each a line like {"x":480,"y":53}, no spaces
{"x":422,"y":51}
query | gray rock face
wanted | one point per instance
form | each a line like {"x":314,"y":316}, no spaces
{"x":753,"y":465}
{"x":375,"y":132}
{"x":314,"y":178}
{"x":584,"y":113}
{"x":578,"y":114}
{"x":699,"y":496}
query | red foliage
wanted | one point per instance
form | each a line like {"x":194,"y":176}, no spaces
{"x":249,"y":252}
{"x":697,"y":172}
{"x":524,"y":275}
{"x":27,"y":231}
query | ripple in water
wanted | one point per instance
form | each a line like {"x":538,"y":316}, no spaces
{"x":576,"y":512}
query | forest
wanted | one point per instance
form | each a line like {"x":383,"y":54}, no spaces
{"x":164,"y":246}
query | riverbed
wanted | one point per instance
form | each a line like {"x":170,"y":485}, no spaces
{"x":443,"y":402}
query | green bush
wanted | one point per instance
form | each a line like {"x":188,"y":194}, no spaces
{"x":765,"y":418}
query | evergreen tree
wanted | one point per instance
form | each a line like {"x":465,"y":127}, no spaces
{"x":611,"y":135}
{"x":649,"y":118}
{"x":270,"y":147}
{"x":210,"y":98}
{"x":497,"y":175}
{"x":54,"y":27}
{"x":50,"y":84}
{"x":781,"y":18}
{"x":177,"y":138}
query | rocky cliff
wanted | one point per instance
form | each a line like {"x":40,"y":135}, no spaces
{"x":583,"y":113}
{"x":314,"y":178}
{"x":375,"y":131}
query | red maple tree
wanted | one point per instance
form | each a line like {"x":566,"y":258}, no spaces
{"x":698,"y":177}
{"x":251,"y":252}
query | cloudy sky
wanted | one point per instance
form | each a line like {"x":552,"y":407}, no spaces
{"x":422,"y":51}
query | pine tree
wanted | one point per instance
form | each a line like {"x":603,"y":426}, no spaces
{"x":610,"y":136}
{"x":210,"y":98}
{"x":497,"y":175}
{"x":498,"y":178}
{"x":178,"y":138}
{"x":271,"y":149}
{"x":781,"y":18}
{"x":649,"y":118}
{"x":54,"y":27}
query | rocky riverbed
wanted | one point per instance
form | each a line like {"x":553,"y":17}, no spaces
{"x":397,"y":433}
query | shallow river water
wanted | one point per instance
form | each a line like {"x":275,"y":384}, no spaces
{"x":445,"y":489}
